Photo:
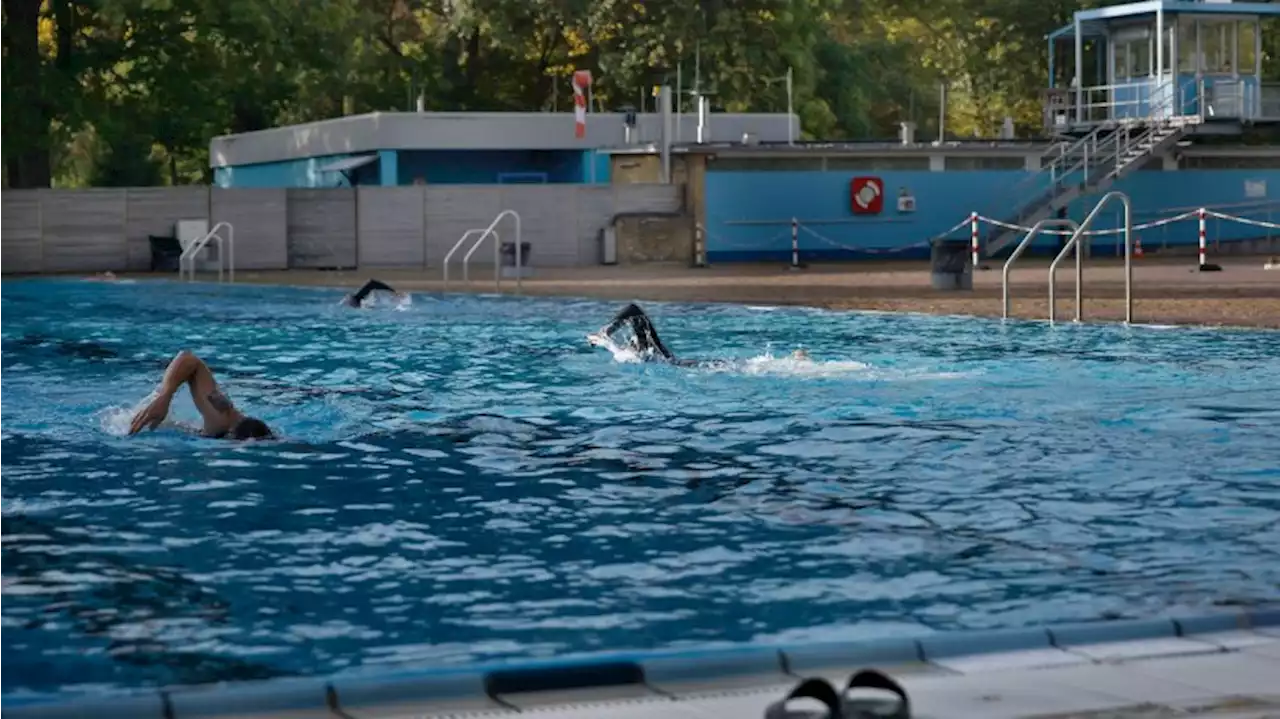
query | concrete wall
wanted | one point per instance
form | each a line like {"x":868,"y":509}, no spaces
{"x":748,"y":213}
{"x":84,"y":231}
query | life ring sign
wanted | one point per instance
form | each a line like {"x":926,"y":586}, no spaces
{"x":867,"y":195}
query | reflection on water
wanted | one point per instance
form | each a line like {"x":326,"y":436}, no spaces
{"x":466,"y":479}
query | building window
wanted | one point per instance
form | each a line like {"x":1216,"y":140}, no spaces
{"x":1000,"y":162}
{"x":1186,"y":45}
{"x":1246,"y":44}
{"x":872,"y":164}
{"x":1217,"y":45}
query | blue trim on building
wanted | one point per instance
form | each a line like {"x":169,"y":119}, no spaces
{"x":388,"y":168}
{"x":444,"y":167}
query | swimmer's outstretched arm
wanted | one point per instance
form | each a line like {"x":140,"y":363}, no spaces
{"x":626,"y":314}
{"x":218,"y":412}
{"x":641,"y":326}
{"x":369,"y":287}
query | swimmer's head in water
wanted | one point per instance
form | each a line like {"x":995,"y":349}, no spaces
{"x":800,"y":355}
{"x":251,"y":428}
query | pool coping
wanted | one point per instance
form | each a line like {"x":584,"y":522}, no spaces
{"x":487,"y":683}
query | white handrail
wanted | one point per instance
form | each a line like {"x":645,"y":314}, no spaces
{"x":485,"y":233}
{"x":1022,"y":246}
{"x":1075,"y":239}
{"x":497,"y":259}
{"x":187,"y":256}
{"x":469,"y":233}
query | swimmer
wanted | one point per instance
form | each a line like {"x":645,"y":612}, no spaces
{"x":357,"y":298}
{"x":801,"y":355}
{"x":107,"y":276}
{"x":644,"y":338}
{"x":221,"y":419}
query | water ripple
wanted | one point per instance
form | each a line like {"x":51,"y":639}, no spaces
{"x":466,"y":480}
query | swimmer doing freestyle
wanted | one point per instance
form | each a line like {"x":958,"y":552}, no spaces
{"x":221,"y":418}
{"x":645,"y":341}
{"x":357,"y":298}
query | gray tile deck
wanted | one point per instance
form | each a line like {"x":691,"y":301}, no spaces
{"x":1234,"y":675}
{"x":1226,"y":674}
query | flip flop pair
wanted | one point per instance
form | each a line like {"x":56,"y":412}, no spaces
{"x":841,"y":705}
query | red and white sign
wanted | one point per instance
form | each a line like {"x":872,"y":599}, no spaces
{"x":866,"y":195}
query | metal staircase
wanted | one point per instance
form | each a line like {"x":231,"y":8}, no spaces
{"x":1092,"y":164}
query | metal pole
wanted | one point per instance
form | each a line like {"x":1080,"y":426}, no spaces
{"x":1017,"y":252}
{"x":1079,"y":72}
{"x":942,"y":112}
{"x":1079,"y":280}
{"x":1202,"y":242}
{"x":519,"y":257}
{"x":1128,"y":259}
{"x":664,"y":99}
{"x":679,"y":98}
{"x":1073,"y":243}
{"x":791,"y":135}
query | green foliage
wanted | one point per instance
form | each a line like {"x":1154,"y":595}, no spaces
{"x":131,"y":91}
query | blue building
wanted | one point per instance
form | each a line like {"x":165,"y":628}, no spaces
{"x":1140,"y":128}
{"x":405,"y":148}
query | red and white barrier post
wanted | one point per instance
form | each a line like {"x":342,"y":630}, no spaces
{"x":795,"y":244}
{"x":973,"y":236}
{"x":1202,"y":241}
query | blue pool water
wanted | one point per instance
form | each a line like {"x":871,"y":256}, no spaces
{"x":468,"y":480}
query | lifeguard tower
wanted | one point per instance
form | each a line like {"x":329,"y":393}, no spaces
{"x":1145,"y":76}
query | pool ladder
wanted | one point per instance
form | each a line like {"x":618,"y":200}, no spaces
{"x":484,"y":234}
{"x":1078,"y":232}
{"x":187,"y":259}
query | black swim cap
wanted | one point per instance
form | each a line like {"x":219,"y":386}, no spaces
{"x":251,"y":428}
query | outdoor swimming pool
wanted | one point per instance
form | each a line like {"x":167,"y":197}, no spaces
{"x":468,"y":480}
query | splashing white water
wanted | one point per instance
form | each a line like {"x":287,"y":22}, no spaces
{"x":795,"y":366}
{"x":620,"y":353}
{"x":116,"y":419}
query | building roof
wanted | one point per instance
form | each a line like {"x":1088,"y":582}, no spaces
{"x":476,"y":131}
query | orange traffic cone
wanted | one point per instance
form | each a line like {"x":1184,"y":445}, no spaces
{"x":1137,"y":247}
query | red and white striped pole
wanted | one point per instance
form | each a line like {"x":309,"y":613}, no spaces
{"x":795,"y":244}
{"x":581,"y":81}
{"x":973,"y":236}
{"x":1202,"y":243}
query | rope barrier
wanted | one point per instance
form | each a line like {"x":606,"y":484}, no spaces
{"x":791,"y":235}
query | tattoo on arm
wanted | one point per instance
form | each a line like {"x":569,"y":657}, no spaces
{"x":219,"y":401}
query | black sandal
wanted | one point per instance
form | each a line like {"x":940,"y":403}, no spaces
{"x":875,"y":707}
{"x":819,"y":689}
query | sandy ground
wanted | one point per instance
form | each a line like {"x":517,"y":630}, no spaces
{"x":1243,"y":294}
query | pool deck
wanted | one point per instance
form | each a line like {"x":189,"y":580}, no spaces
{"x":1166,"y":291}
{"x":1219,"y":665}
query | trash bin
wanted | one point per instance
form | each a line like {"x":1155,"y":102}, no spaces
{"x":509,"y":268}
{"x":951,"y":267}
{"x":608,"y":245}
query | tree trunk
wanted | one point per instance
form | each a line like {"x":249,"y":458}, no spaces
{"x":26,"y":125}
